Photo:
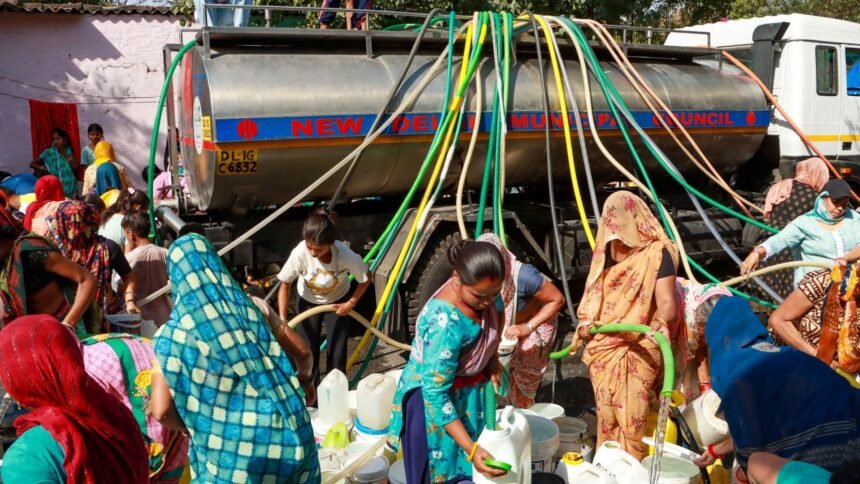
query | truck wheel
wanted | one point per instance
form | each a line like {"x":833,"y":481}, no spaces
{"x":431,"y":271}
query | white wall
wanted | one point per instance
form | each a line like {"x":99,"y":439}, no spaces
{"x":116,"y":56}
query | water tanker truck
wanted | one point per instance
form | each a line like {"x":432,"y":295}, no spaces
{"x":262,"y":113}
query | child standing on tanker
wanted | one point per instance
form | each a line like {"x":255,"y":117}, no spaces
{"x":322,"y":265}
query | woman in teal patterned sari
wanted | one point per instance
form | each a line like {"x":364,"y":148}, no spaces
{"x":438,"y":409}
{"x":59,"y":160}
{"x":231,"y":385}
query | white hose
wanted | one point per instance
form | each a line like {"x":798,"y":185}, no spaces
{"x":468,"y":160}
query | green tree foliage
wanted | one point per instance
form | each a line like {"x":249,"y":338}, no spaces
{"x":841,"y":9}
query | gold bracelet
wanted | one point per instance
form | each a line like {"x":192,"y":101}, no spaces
{"x":472,"y":454}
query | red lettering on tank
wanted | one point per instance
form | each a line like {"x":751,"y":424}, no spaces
{"x":400,"y":124}
{"x":667,"y":119}
{"x":434,"y":121}
{"x":727,"y":119}
{"x":518,"y":121}
{"x":701,"y":119}
{"x":349,"y":125}
{"x":557,"y":121}
{"x":325,"y":127}
{"x":420,"y":123}
{"x":603,"y":119}
{"x":583,"y":118}
{"x":537,"y":121}
{"x":750,"y":118}
{"x":714,"y":119}
{"x":303,"y":127}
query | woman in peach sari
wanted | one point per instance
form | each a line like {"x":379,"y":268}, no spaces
{"x":632,"y":280}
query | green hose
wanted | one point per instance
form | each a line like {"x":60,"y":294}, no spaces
{"x":662,"y":342}
{"x":490,"y":406}
{"x":168,"y":78}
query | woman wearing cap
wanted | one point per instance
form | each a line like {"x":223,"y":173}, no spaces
{"x":824,"y":234}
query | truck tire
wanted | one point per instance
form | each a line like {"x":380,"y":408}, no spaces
{"x":431,"y":271}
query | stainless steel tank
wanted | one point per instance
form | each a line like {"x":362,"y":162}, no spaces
{"x":260,"y":123}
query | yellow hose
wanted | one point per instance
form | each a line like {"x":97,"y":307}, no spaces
{"x":568,"y":143}
{"x":329,"y":308}
{"x":389,"y":286}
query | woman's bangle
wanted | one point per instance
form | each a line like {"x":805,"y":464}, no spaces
{"x":713,"y":453}
{"x":661,"y":321}
{"x":472,"y":453}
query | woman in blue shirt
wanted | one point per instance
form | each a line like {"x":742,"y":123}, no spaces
{"x":824,"y":234}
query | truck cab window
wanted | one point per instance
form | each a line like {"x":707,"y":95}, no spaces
{"x":743,"y":54}
{"x":826,"y":71}
{"x":852,"y":69}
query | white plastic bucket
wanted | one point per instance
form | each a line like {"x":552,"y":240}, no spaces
{"x":573,"y":437}
{"x":365,"y":434}
{"x":397,"y":473}
{"x":320,"y":428}
{"x":674,"y":470}
{"x":374,"y":471}
{"x":701,"y":417}
{"x":545,"y":441}
{"x":360,"y":447}
{"x":551,"y":411}
{"x":506,"y":350}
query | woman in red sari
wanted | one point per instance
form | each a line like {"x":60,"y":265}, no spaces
{"x":75,"y":432}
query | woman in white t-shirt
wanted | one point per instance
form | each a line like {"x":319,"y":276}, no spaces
{"x":322,"y":265}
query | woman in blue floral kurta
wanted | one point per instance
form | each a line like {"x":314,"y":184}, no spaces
{"x":438,"y":408}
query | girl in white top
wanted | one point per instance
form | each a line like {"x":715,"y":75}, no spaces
{"x":322,"y":265}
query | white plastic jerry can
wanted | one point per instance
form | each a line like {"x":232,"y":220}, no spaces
{"x":622,"y":467}
{"x":510,"y":446}
{"x":574,"y":470}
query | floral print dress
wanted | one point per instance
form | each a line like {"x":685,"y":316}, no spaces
{"x":442,"y":334}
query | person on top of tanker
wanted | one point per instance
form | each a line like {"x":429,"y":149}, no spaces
{"x":823,"y":234}
{"x":354,"y":20}
{"x":322,"y":265}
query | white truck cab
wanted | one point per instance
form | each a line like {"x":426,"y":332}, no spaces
{"x":812,"y":66}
